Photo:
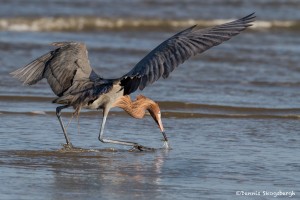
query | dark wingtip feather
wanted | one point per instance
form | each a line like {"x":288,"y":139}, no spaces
{"x":248,"y":19}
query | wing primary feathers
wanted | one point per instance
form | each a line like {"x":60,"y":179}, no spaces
{"x":68,"y":67}
{"x":162,"y":60}
{"x":61,"y":67}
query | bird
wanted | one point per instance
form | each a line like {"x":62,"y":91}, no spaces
{"x":76,"y":84}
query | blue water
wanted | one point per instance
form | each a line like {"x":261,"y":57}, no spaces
{"x":231,"y":114}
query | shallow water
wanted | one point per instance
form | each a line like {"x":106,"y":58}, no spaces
{"x":231,"y":114}
{"x":210,"y":158}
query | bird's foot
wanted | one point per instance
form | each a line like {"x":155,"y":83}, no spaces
{"x":141,"y":148}
{"x":68,"y":146}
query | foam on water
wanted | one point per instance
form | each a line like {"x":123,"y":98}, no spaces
{"x":81,"y":23}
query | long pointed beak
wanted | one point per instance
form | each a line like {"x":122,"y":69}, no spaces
{"x":165,"y":136}
{"x":161,"y":127}
{"x":157,"y":119}
{"x":166,"y":143}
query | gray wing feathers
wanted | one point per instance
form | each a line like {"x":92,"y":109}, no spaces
{"x":161,"y":61}
{"x":61,"y":67}
{"x":33,"y":72}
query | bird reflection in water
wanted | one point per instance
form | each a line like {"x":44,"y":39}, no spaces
{"x":122,"y":174}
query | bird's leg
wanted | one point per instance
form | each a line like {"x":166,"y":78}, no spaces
{"x":58,"y":114}
{"x":134,"y":144}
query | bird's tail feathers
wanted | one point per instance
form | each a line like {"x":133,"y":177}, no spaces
{"x":33,"y":72}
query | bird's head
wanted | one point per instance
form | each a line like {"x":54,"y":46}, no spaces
{"x":154,"y":110}
{"x":155,"y":113}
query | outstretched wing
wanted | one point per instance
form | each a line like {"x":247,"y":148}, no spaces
{"x":61,"y":67}
{"x":161,"y":61}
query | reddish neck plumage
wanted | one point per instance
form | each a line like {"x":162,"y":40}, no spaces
{"x":138,"y":107}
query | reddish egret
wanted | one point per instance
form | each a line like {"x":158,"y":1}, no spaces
{"x":71,"y":78}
